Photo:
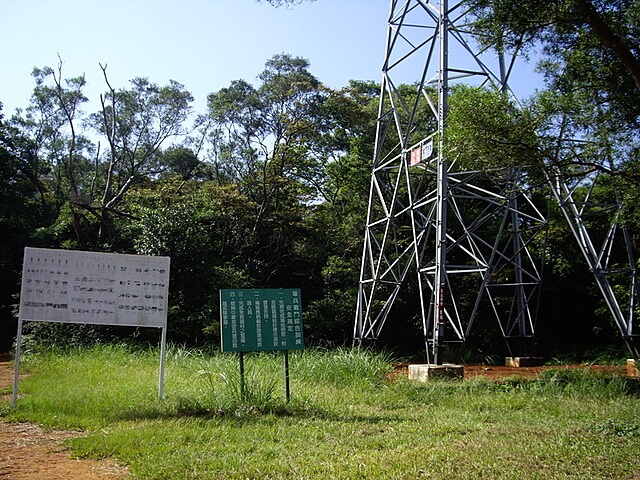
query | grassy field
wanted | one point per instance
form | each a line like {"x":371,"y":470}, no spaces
{"x":344,"y":420}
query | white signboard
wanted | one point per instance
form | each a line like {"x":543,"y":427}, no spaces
{"x":98,"y":288}
{"x":70,"y":286}
{"x":427,"y":150}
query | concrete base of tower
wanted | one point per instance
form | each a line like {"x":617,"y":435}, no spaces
{"x":523,"y":362}
{"x":426,"y":372}
{"x":632,"y":368}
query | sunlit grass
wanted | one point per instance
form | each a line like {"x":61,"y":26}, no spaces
{"x":344,"y":419}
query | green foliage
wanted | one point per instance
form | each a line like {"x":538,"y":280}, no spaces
{"x":584,"y":382}
{"x":618,"y":429}
{"x":586,"y":123}
{"x":486,"y":131}
{"x":270,"y":188}
{"x":181,"y":161}
{"x":591,"y":70}
{"x":25,"y":207}
{"x":342,"y":367}
{"x":100,"y":385}
{"x":193,"y":225}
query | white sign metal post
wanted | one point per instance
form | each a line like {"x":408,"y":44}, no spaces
{"x":69,"y":286}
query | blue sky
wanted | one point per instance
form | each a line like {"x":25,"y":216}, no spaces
{"x":203,"y":44}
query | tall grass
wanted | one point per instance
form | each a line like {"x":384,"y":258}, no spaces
{"x":342,"y":366}
{"x":345,"y":419}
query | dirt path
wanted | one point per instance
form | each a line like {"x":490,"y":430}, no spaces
{"x":28,"y":452}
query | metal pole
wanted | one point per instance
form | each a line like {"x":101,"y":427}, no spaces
{"x":241,"y":360}
{"x":286,"y":376}
{"x":520,"y":296}
{"x":435,"y":192}
{"x":442,"y":192}
{"x":17,"y":364}
{"x":163,"y":343}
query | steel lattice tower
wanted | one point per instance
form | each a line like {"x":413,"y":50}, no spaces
{"x":460,"y":236}
{"x":608,"y":253}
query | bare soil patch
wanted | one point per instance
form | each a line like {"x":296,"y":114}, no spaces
{"x":502,"y":372}
{"x":29,"y":452}
{"x":499,"y":373}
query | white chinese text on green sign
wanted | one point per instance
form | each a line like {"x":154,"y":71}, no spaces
{"x":261,"y":320}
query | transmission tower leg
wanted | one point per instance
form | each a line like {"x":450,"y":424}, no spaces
{"x":597,"y":262}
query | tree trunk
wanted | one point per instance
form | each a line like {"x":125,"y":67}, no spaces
{"x":610,"y":39}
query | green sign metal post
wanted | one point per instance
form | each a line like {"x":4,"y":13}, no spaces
{"x":287,"y":391}
{"x":261,"y":320}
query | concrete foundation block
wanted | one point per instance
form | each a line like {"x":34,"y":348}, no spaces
{"x":523,"y":362}
{"x":426,"y":372}
{"x":632,"y":368}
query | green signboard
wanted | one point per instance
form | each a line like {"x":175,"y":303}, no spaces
{"x":261,"y":320}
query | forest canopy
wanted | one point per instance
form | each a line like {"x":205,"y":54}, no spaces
{"x":268,"y":186}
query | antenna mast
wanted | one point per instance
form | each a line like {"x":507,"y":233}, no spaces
{"x":426,"y":216}
{"x":464,"y":234}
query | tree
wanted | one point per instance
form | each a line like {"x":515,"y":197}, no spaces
{"x":336,"y":225}
{"x":605,"y":30}
{"x":181,"y":161}
{"x":196,"y":224}
{"x":24,"y":208}
{"x":587,"y":118}
{"x":270,"y":141}
{"x":59,"y":150}
{"x":591,"y":63}
{"x":88,"y":185}
{"x":301,"y":155}
{"x":486,"y":131}
{"x":136,"y":123}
